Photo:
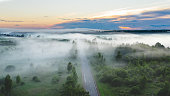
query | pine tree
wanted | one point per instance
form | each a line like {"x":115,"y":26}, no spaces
{"x":69,"y":67}
{"x":8,"y":85}
{"x":18,"y":79}
{"x":119,"y":55}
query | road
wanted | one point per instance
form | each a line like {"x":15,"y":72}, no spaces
{"x":88,"y":80}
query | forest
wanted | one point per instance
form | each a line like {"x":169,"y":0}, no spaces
{"x":145,"y":71}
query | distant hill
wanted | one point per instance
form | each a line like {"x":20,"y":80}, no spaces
{"x":139,"y":31}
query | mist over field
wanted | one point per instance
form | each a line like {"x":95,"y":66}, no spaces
{"x":84,"y":47}
{"x":42,"y":51}
{"x":39,"y":54}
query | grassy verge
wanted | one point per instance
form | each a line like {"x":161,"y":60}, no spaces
{"x":104,"y":89}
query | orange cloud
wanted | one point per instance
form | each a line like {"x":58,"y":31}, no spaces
{"x":128,"y":28}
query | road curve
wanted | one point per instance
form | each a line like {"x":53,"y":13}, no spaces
{"x":88,"y":80}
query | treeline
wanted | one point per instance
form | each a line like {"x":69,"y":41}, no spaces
{"x":71,"y":86}
{"x":7,"y":84}
{"x":141,"y":76}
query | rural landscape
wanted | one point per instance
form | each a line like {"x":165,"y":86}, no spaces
{"x":75,"y":64}
{"x":84,"y":47}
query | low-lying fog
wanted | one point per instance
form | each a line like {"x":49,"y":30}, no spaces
{"x":44,"y":52}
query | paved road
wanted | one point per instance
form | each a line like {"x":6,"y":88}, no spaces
{"x":89,"y":82}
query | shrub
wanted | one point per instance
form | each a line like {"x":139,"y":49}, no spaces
{"x":122,"y":73}
{"x":165,"y":91}
{"x":117,"y":82}
{"x":159,"y":45}
{"x":2,"y":90}
{"x":135,"y":90}
{"x":55,"y":80}
{"x":35,"y":79}
{"x":22,"y":83}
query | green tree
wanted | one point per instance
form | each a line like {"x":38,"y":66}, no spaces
{"x":159,"y":45}
{"x":135,"y":90}
{"x":2,"y":90}
{"x":69,"y":67}
{"x":99,"y":55}
{"x":18,"y":79}
{"x":122,"y":73}
{"x":36,"y":79}
{"x":165,"y":91}
{"x":118,"y":56}
{"x":70,"y":81}
{"x":8,"y":85}
{"x":74,"y":73}
{"x":71,"y":88}
{"x":117,"y":82}
{"x":143,"y":82}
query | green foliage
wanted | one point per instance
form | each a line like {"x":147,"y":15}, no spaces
{"x":165,"y":91}
{"x":100,"y":60}
{"x":74,"y":74}
{"x":122,"y":73}
{"x":71,"y":81}
{"x":159,"y":45}
{"x":18,"y":79}
{"x":2,"y":90}
{"x":114,"y":77}
{"x":118,"y":56}
{"x":117,"y":82}
{"x":73,"y":91}
{"x":69,"y":67}
{"x":35,"y":79}
{"x":143,"y":73}
{"x":135,"y":90}
{"x":8,"y":85}
{"x":22,"y":83}
{"x":55,"y":80}
{"x":142,"y":82}
{"x":71,"y":88}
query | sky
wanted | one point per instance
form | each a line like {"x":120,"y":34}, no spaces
{"x":92,"y":14}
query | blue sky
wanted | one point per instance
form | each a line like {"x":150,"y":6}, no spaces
{"x":95,"y":14}
{"x":147,"y":20}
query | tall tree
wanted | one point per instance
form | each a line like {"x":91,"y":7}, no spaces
{"x":118,"y":56}
{"x":8,"y":85}
{"x":74,"y":73}
{"x":18,"y":79}
{"x":69,"y":67}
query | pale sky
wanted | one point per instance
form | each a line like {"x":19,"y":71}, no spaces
{"x":45,"y":13}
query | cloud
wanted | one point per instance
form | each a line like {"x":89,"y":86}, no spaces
{"x":64,"y":19}
{"x":58,"y":27}
{"x":148,"y":15}
{"x":159,"y":19}
{"x":9,"y":21}
{"x":4,"y":0}
{"x":128,"y":28}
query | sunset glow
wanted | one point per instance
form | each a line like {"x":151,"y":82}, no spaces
{"x":36,"y":14}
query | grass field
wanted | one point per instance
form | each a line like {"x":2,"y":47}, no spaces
{"x":43,"y":88}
